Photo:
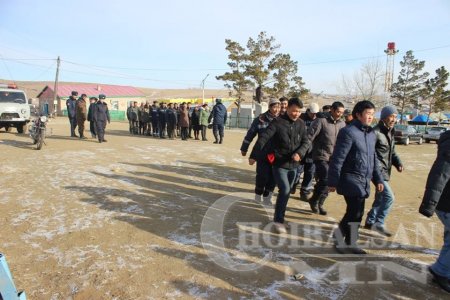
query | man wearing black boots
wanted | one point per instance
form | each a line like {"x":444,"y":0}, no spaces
{"x":219,"y":119}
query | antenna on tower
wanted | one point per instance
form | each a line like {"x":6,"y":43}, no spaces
{"x":389,"y":77}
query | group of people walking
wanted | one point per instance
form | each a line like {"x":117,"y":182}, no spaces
{"x":97,"y":115}
{"x":170,"y":120}
{"x":341,"y":156}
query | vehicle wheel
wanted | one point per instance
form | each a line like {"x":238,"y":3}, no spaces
{"x":40,"y":141}
{"x":407,"y":141}
{"x":420,"y":141}
{"x":22,"y":128}
{"x":427,"y":141}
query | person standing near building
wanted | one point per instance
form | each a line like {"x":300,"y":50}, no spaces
{"x":155,"y":119}
{"x":353,"y":166}
{"x":71,"y":104}
{"x":141,"y":118}
{"x":437,"y":199}
{"x":171,"y":116}
{"x":101,"y":116}
{"x":387,"y":156}
{"x":323,"y":133}
{"x":204,"y":116}
{"x":218,"y":117}
{"x":184,"y":121}
{"x":264,"y":181}
{"x":162,"y":120}
{"x":195,"y":122}
{"x":90,"y":117}
{"x":81,"y":114}
{"x":130,"y":122}
{"x":290,"y":144}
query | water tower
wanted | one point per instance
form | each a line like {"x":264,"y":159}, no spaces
{"x":390,"y":59}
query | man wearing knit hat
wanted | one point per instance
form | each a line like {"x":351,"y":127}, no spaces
{"x":385,"y":150}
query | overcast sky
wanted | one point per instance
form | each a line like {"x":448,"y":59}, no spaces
{"x":175,"y":44}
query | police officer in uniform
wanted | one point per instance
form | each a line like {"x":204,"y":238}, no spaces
{"x":101,"y":116}
{"x":72,"y":112}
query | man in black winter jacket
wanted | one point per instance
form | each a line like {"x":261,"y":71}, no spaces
{"x":265,"y":183}
{"x":290,"y":143}
{"x":437,"y":199}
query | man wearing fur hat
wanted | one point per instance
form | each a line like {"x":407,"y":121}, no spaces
{"x":385,"y":150}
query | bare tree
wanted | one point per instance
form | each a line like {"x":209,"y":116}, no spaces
{"x":366,"y":83}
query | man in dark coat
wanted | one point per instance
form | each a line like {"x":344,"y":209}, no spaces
{"x":290,"y":143}
{"x":353,"y":166}
{"x":387,"y":156}
{"x":323,"y":133}
{"x":81,"y":113}
{"x":264,"y":182}
{"x":90,"y":117}
{"x":437,"y":199}
{"x":162,"y":120}
{"x":72,"y":112}
{"x":219,"y":119}
{"x":101,"y":116}
{"x":171,"y":116}
{"x":155,"y":118}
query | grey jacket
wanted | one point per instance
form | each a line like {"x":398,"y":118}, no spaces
{"x":323,"y":134}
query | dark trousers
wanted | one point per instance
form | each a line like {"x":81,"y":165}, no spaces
{"x":155,"y":127}
{"x":284,"y":179}
{"x":184,"y":133}
{"x":203,"y":130}
{"x":308,"y":170}
{"x":321,"y":188}
{"x":100,"y":127}
{"x":73,"y":125}
{"x":218,"y":131}
{"x":265,"y":183}
{"x":142,"y":127}
{"x":171,"y":130}
{"x":162,"y":129}
{"x":134,"y":126}
{"x":92,"y":129}
{"x":349,"y":224}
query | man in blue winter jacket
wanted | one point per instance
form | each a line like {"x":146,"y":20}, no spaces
{"x":353,"y":166}
{"x":219,"y":119}
{"x":71,"y":104}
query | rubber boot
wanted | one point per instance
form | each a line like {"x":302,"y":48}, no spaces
{"x":216,"y":137}
{"x":221,"y":140}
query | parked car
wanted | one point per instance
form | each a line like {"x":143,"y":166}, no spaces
{"x":404,"y":134}
{"x":433,"y":133}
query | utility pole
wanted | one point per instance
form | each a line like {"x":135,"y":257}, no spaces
{"x":55,"y":90}
{"x":203,"y":89}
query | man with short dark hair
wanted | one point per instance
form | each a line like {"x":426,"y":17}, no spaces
{"x":218,"y":117}
{"x":353,"y":166}
{"x":155,"y":118}
{"x":290,"y":143}
{"x":283,"y":105}
{"x":323,"y":133}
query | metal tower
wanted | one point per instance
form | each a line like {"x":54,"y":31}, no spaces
{"x":390,"y":59}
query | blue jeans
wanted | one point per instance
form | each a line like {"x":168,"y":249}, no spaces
{"x":442,"y":264}
{"x":381,"y":206}
{"x":285,"y":180}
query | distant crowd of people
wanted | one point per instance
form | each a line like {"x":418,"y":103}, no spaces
{"x":170,"y":120}
{"x":163,"y":120}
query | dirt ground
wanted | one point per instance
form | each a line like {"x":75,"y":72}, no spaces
{"x":123,"y":220}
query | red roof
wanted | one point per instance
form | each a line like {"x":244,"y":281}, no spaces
{"x":65,"y":90}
